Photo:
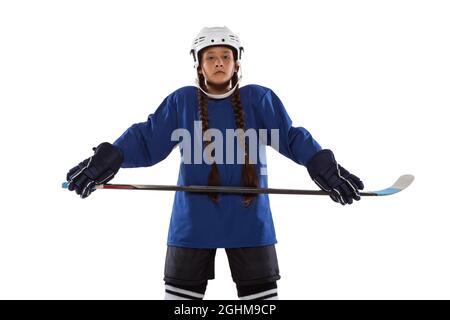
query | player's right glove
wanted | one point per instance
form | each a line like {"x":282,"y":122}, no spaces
{"x":98,"y":169}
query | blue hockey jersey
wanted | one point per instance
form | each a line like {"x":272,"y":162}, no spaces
{"x":196,"y":220}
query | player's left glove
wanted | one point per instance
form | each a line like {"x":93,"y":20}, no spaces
{"x":341,"y":185}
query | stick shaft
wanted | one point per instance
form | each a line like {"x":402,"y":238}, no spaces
{"x":219,"y":189}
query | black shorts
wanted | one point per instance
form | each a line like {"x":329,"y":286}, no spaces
{"x":249,"y":266}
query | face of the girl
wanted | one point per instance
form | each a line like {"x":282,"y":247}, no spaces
{"x":217,"y":65}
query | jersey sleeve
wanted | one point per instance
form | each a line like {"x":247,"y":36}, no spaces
{"x":296,"y":143}
{"x":147,"y":143}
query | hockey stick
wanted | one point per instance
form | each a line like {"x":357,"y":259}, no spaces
{"x":402,"y":183}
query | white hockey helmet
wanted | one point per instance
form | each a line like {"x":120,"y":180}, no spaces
{"x":215,"y":36}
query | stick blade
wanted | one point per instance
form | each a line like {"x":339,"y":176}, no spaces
{"x":401,"y":184}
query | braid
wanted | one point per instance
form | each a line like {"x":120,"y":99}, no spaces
{"x":213,"y":177}
{"x":249,"y":177}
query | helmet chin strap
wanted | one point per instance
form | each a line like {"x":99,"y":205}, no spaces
{"x":224,"y":95}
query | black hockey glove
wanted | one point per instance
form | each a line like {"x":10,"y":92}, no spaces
{"x":341,"y":185}
{"x":98,"y":169}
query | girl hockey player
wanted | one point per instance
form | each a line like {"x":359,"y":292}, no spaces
{"x":201,"y":223}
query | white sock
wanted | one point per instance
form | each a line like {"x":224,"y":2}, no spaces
{"x":263,"y":295}
{"x":174,"y":293}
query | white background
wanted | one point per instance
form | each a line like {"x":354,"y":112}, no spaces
{"x":369,"y":79}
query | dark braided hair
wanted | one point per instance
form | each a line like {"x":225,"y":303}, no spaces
{"x":249,"y":177}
